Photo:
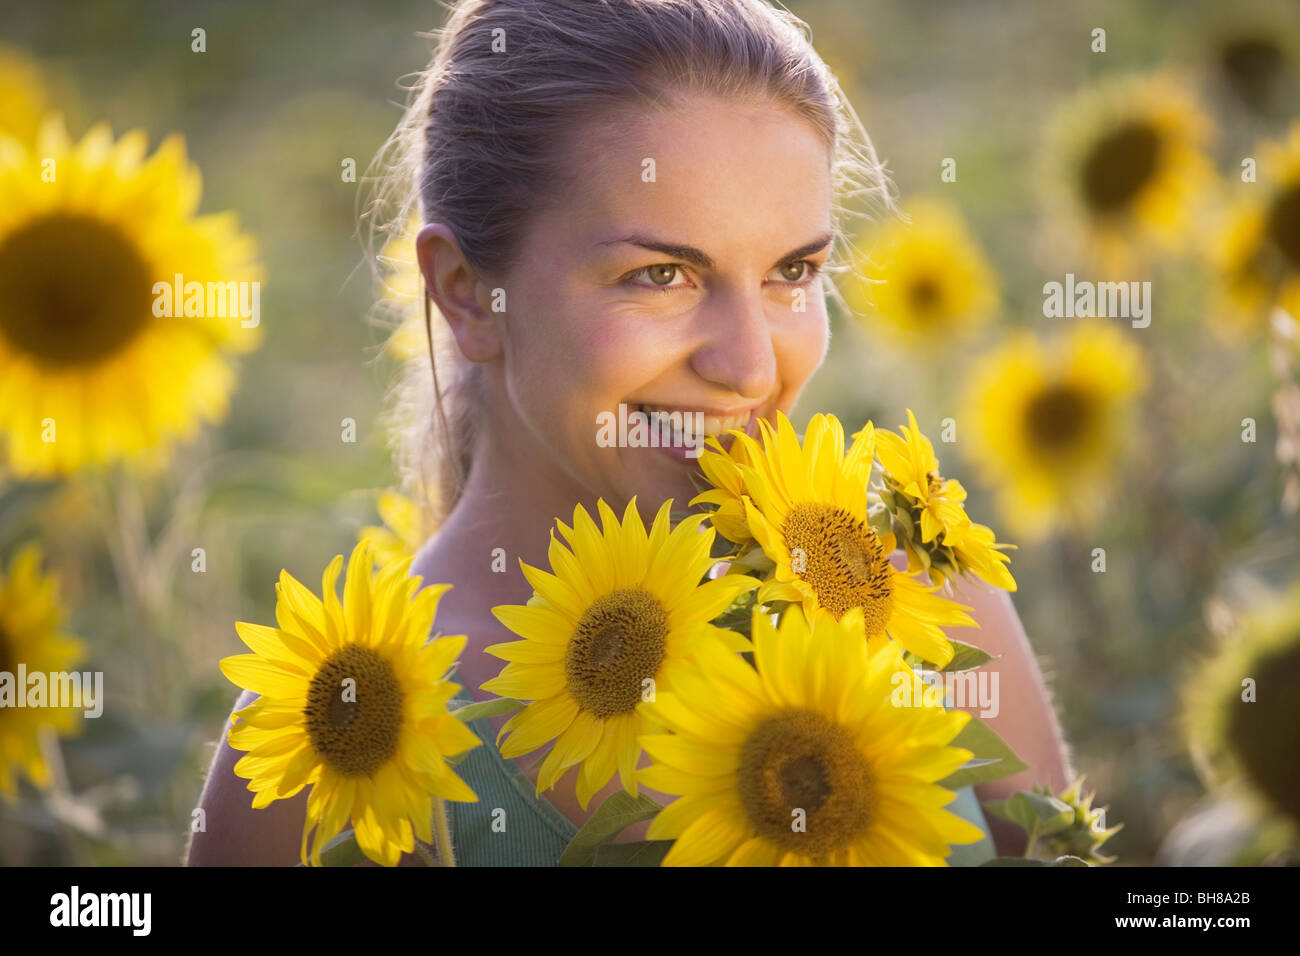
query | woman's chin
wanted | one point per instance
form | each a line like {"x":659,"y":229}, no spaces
{"x":656,"y":477}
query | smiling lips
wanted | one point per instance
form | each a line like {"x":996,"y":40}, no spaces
{"x":707,"y":424}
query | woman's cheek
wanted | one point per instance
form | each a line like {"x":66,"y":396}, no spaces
{"x":802,"y":347}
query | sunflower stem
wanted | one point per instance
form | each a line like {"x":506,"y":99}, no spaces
{"x":442,"y":834}
{"x":1033,"y":843}
{"x":126,"y":535}
{"x":425,"y":855}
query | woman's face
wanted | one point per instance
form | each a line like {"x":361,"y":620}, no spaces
{"x":680,"y":274}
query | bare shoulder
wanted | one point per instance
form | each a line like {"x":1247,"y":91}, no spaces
{"x":228,"y":831}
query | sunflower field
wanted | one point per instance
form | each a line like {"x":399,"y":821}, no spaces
{"x":1087,"y":310}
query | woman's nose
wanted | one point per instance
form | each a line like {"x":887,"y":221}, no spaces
{"x":737,"y":351}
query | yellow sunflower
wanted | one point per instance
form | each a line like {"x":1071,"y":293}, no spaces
{"x":803,"y":759}
{"x":1047,"y":424}
{"x":90,"y":232}
{"x":1125,"y":165}
{"x":353,"y":704}
{"x":609,"y":628}
{"x":30,"y":635}
{"x":1257,"y":252}
{"x":927,"y":280}
{"x":1239,"y":712}
{"x":24,"y":95}
{"x":721,"y":468}
{"x":402,"y":292}
{"x":1256,"y":47}
{"x":807,"y":507}
{"x":929,"y":514}
{"x":401,"y":533}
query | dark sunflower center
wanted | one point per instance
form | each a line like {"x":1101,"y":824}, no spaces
{"x":73,"y":290}
{"x":1284,"y":224}
{"x":354,"y":711}
{"x":1119,"y":165}
{"x":924,"y":294}
{"x":1057,"y":418}
{"x":1251,"y":64}
{"x":619,"y":642}
{"x":804,"y":784}
{"x":843,"y":561}
{"x":1262,"y":731}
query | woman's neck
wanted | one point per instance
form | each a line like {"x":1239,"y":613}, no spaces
{"x":505,"y":514}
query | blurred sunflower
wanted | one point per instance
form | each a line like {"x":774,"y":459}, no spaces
{"x":1253,"y":46}
{"x":401,"y":290}
{"x":1047,"y":423}
{"x":1239,"y":709}
{"x":1125,"y":160}
{"x":24,"y":96}
{"x":401,"y":533}
{"x":809,"y":734}
{"x":618,"y":616}
{"x":353,"y":704}
{"x":89,"y":374}
{"x":30,"y":635}
{"x":927,"y":280}
{"x":929,"y":515}
{"x":1257,"y":252}
{"x":807,"y":507}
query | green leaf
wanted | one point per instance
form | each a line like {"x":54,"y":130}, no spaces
{"x":1025,"y":861}
{"x":496,"y":707}
{"x":342,"y":851}
{"x":1013,"y":861}
{"x":723,"y":549}
{"x":1035,"y":813}
{"x":643,"y":853}
{"x":881,"y":520}
{"x":611,"y":818}
{"x":992,"y":759}
{"x":739,"y":615}
{"x":967,"y":657}
{"x":755,"y":559}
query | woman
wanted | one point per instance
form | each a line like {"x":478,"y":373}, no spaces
{"x":626,"y":202}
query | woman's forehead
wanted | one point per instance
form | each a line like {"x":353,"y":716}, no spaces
{"x":710,"y":178}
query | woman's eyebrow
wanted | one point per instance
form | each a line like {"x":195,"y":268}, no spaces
{"x":699,"y":257}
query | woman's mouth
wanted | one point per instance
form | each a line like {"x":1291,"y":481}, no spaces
{"x":680,"y":432}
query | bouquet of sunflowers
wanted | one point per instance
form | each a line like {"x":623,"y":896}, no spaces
{"x":765,"y":652}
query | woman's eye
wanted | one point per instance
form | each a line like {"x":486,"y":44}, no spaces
{"x":798,"y":270}
{"x":660,"y":278}
{"x":661,"y":274}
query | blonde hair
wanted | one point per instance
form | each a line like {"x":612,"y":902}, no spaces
{"x":481,"y":143}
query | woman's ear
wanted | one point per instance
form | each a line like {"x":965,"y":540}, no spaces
{"x":458,"y":292}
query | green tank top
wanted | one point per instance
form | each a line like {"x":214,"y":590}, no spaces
{"x":529,"y":831}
